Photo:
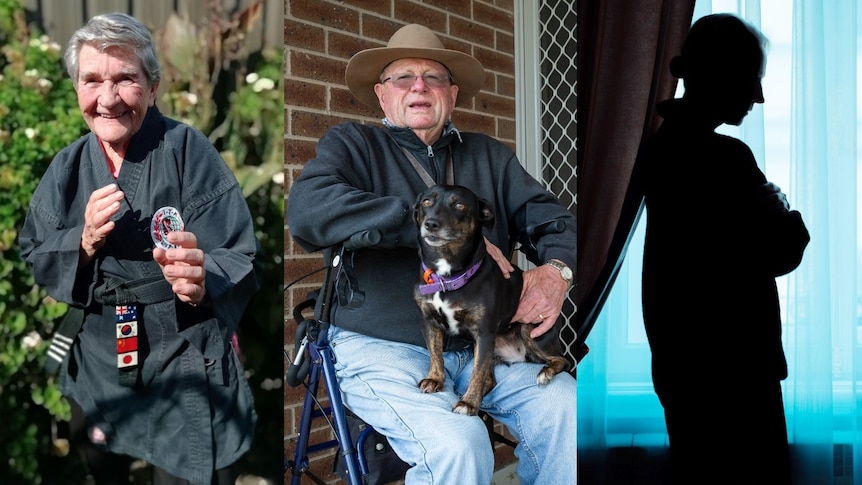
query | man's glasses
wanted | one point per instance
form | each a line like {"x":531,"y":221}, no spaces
{"x":406,"y":81}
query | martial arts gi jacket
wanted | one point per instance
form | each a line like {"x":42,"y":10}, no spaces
{"x":190,"y":409}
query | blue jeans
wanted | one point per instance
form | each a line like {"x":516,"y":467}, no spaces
{"x":379,"y":382}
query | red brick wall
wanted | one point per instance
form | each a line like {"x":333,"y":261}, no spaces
{"x":320,"y":37}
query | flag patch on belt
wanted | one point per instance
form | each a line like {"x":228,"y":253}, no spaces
{"x":127,"y":341}
{"x":127,"y":313}
{"x":129,"y":359}
{"x":127,"y":329}
{"x":127,"y":345}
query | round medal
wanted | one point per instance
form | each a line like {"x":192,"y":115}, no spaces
{"x":165,"y":220}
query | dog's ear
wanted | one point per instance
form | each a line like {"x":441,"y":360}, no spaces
{"x":416,"y":206}
{"x":416,"y":212}
{"x":486,"y":213}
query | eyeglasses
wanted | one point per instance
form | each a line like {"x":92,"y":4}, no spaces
{"x":432,"y":80}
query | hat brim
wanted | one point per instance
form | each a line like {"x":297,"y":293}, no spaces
{"x":364,"y":68}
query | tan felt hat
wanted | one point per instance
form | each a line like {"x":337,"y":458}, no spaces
{"x":412,"y":41}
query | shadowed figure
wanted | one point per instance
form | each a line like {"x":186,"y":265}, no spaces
{"x":717,"y":235}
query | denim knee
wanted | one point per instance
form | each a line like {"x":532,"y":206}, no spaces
{"x":463,"y":455}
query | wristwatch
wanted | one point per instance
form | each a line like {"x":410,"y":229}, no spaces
{"x":565,"y":271}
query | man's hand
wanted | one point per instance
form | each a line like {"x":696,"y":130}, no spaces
{"x":103,"y":204}
{"x":497,"y":255}
{"x":183,"y":267}
{"x":542,"y":298}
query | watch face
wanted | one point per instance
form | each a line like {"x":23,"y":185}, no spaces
{"x":565,"y":271}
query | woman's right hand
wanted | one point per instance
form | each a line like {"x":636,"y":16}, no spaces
{"x":104,"y":203}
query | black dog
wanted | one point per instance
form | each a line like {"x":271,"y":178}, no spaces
{"x":463,"y":292}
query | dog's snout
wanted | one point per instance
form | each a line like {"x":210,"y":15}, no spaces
{"x":431,"y":224}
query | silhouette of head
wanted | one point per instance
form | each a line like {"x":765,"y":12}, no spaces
{"x":722,"y":63}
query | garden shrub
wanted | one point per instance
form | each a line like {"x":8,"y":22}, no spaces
{"x":38,"y":116}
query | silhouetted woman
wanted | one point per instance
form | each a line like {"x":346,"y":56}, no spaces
{"x":718,"y":234}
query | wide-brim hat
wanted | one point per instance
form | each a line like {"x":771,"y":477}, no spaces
{"x":412,"y":41}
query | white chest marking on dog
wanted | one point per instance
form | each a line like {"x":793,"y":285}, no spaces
{"x":447,"y":310}
{"x":444,"y":268}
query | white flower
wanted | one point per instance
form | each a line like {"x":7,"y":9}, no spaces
{"x":31,"y":340}
{"x":29,"y":133}
{"x":31,"y":73}
{"x":270,"y":384}
{"x":263,"y":84}
{"x":44,"y":83}
{"x":278,"y":178}
{"x":252,"y":77}
{"x":52,"y":47}
{"x":192,"y":98}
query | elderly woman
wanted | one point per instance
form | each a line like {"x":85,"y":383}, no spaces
{"x":144,"y":231}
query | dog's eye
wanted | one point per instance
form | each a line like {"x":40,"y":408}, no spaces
{"x":427,"y":202}
{"x":459,"y":206}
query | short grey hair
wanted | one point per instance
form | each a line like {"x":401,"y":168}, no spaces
{"x":114,"y":30}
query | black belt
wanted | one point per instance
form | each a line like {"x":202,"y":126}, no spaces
{"x":125,"y":297}
{"x":153,"y":289}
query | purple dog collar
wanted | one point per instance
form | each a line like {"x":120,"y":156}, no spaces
{"x":442,"y":284}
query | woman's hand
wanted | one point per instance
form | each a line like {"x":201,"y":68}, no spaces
{"x":183,"y":267}
{"x":772,"y":199}
{"x":104,"y":203}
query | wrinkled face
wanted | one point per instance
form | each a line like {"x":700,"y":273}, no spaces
{"x":451,"y":216}
{"x":423,"y":105}
{"x":113,"y":94}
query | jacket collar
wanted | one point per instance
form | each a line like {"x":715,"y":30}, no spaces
{"x":406,"y":137}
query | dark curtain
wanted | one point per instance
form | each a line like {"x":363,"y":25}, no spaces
{"x":624,"y":49}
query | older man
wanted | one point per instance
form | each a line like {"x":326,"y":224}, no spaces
{"x":368,"y":177}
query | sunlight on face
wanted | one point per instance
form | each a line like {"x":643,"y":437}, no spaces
{"x":113,"y":94}
{"x":420,"y":107}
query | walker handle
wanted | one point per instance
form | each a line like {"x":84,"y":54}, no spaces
{"x":363,"y":239}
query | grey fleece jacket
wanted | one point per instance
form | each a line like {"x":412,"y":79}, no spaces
{"x":360,"y":179}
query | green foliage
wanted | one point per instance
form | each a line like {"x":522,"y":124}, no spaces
{"x":39,"y":116}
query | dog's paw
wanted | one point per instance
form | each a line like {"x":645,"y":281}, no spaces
{"x":465,"y":408}
{"x":545,"y":376}
{"x":430,"y":385}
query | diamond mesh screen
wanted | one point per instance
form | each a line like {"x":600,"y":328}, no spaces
{"x":558,"y":78}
